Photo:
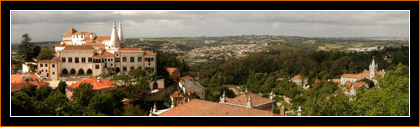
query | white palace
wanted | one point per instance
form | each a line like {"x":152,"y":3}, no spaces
{"x":83,"y":54}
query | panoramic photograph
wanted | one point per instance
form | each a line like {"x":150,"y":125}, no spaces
{"x":155,"y":63}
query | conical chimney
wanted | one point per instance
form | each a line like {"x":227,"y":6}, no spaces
{"x":120,"y":34}
{"x":115,"y":43}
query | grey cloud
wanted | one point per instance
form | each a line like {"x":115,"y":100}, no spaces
{"x":49,"y":25}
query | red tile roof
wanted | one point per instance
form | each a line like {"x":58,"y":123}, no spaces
{"x":336,"y":80}
{"x":78,"y":48}
{"x":356,"y":85}
{"x":129,"y":50}
{"x":171,"y":70}
{"x":197,"y":107}
{"x":18,"y":82}
{"x":108,"y":54}
{"x":150,"y":52}
{"x":297,"y":77}
{"x":176,"y":94}
{"x":70,"y":32}
{"x":362,"y":75}
{"x":16,"y":78}
{"x":186,"y":78}
{"x":243,"y":99}
{"x":94,"y":44}
{"x":97,"y":85}
{"x":102,"y":38}
{"x":380,"y":72}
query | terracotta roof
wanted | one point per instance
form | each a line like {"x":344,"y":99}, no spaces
{"x":197,"y":107}
{"x":149,"y":52}
{"x":97,"y":85}
{"x":16,"y":78}
{"x":336,"y":80}
{"x":186,"y":78}
{"x":102,"y":38}
{"x":171,"y":70}
{"x":362,"y":75}
{"x":299,"y":77}
{"x":94,"y":44}
{"x":316,"y":80}
{"x":176,"y":94}
{"x":64,"y":41}
{"x":18,"y":82}
{"x":78,"y":48}
{"x":108,"y":54}
{"x":70,"y":32}
{"x":105,"y":54}
{"x":380,"y":72}
{"x":129,"y":50}
{"x":356,"y":85}
{"x":243,"y":99}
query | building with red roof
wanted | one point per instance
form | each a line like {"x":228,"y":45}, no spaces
{"x":197,"y":107}
{"x":251,"y":100}
{"x":366,"y":74}
{"x":174,"y":72}
{"x":100,"y":85}
{"x":301,"y":81}
{"x":83,"y":54}
{"x":187,"y":83}
{"x":18,"y":81}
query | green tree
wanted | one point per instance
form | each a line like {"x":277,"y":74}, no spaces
{"x":30,"y":90}
{"x":26,"y":48}
{"x":36,"y":51}
{"x":83,"y":94}
{"x":43,"y":92}
{"x":391,"y":98}
{"x":55,"y":104}
{"x":46,"y":54}
{"x":131,"y":110}
{"x":62,"y":87}
{"x":22,"y":104}
{"x":102,"y":104}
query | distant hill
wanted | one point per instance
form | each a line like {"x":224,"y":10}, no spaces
{"x":46,"y":44}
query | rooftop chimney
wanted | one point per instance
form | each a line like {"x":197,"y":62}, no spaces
{"x":282,"y":111}
{"x":249,"y":101}
{"x":114,"y":37}
{"x":299,"y":112}
{"x":272,"y":94}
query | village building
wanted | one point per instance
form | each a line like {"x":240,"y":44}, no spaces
{"x":352,"y":87}
{"x":247,"y":104}
{"x":18,"y":81}
{"x":157,"y":85}
{"x":27,"y":66}
{"x":197,"y":107}
{"x":174,"y":73}
{"x":188,"y":83}
{"x":301,"y":81}
{"x":83,"y":55}
{"x":249,"y":100}
{"x":99,"y":85}
{"x":364,"y":75}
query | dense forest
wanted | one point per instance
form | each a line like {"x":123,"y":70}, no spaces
{"x":259,"y":72}
{"x":288,"y":63}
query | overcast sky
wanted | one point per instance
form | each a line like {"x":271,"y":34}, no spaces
{"x":50,"y":25}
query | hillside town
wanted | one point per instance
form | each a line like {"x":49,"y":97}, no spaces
{"x":82,"y":56}
{"x":104,"y":73}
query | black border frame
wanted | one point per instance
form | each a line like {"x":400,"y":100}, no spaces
{"x":210,"y":121}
